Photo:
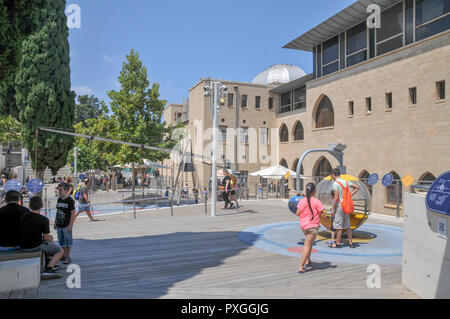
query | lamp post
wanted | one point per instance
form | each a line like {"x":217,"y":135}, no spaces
{"x":216,"y":92}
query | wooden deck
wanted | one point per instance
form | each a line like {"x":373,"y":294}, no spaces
{"x":192,"y":255}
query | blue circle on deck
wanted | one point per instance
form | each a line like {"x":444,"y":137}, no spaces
{"x":373,"y":179}
{"x":82,"y":176}
{"x":35,"y":186}
{"x":387,"y":180}
{"x":13,"y":185}
{"x":385,"y":247}
{"x":438,"y":195}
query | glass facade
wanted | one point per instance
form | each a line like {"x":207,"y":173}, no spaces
{"x":404,"y":23}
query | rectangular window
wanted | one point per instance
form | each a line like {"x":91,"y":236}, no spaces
{"x":390,"y":45}
{"x":257,"y":102}
{"x":409,"y":22}
{"x":264,"y":136}
{"x":413,"y":96}
{"x":230,"y":98}
{"x":391,"y":22}
{"x":319,"y":61}
{"x":368,"y":105}
{"x":270,"y":103}
{"x":244,"y":135}
{"x":285,"y":102}
{"x":357,"y":38}
{"x":300,"y":98}
{"x":222,"y":133}
{"x":315,"y":62}
{"x":330,"y":68}
{"x":331,"y":50}
{"x":431,"y":17}
{"x":244,"y":100}
{"x":389,"y":101}
{"x":351,"y":109}
{"x":357,"y":58}
{"x":342,"y":51}
{"x":440,"y":90}
{"x":371,"y":43}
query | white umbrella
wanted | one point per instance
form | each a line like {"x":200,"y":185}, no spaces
{"x":275,"y":172}
{"x":146,"y":163}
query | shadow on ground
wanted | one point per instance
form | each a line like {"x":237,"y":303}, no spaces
{"x":142,"y":267}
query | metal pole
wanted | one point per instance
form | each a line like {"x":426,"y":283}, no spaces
{"x":75,"y":155}
{"x":45,"y":201}
{"x":35,"y":154}
{"x":399,"y":194}
{"x":215,"y":86}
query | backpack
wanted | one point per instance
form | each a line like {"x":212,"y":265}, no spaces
{"x":347,"y":200}
{"x":76,"y":193}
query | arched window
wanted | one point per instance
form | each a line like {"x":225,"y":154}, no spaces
{"x":325,"y":113}
{"x":298,"y":132}
{"x":364,"y":177}
{"x":394,"y":191}
{"x":426,"y":179}
{"x":323,"y":169}
{"x":283,"y":163}
{"x":284,"y":133}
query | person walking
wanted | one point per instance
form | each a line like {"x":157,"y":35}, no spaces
{"x":341,"y":219}
{"x":309,"y":209}
{"x":84,"y":204}
{"x":226,"y":183}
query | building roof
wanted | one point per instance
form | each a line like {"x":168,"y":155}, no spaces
{"x":279,"y":73}
{"x":340,"y":22}
{"x":293,"y":85}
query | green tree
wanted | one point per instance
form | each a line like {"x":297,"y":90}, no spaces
{"x":10,"y":129}
{"x":138,"y":112}
{"x":42,"y":85}
{"x":88,"y":107}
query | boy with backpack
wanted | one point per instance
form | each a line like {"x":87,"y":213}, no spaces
{"x":342,"y":207}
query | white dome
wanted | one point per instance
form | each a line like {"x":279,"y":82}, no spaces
{"x":279,"y":73}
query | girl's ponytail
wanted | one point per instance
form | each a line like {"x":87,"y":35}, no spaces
{"x":310,"y":188}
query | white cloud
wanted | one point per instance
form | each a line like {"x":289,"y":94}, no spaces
{"x":107,"y":58}
{"x":83,"y":90}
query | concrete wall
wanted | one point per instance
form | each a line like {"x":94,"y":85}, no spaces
{"x":426,"y":256}
{"x":20,"y":278}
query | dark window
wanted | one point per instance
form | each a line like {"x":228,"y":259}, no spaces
{"x":342,"y":51}
{"x":284,"y":134}
{"x":356,"y":58}
{"x":331,"y":50}
{"x":426,"y":179}
{"x":315,"y":62}
{"x":257,"y":102}
{"x":356,"y":38}
{"x":391,"y":22}
{"x":300,"y":98}
{"x":440,"y":90}
{"x":390,"y":45}
{"x":409,"y":21}
{"x":244,"y":100}
{"x":351,"y":109}
{"x":389,"y":100}
{"x":330,"y":68}
{"x":394,"y":191}
{"x":285,"y":102}
{"x":368,"y":104}
{"x":427,"y":10}
{"x":323,"y":170}
{"x":371,"y":43}
{"x":222,"y":133}
{"x":230,"y":99}
{"x":270,"y":103}
{"x":364,"y":177}
{"x":319,"y":61}
{"x":283,"y":163}
{"x":298,"y":132}
{"x":325,"y":113}
{"x":433,"y":28}
{"x":413,"y":96}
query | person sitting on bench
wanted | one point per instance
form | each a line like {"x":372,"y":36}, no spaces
{"x":10,"y":216}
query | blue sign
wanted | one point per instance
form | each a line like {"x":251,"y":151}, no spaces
{"x":71,"y":164}
{"x":13,"y":185}
{"x":387,"y":180}
{"x":82,"y":176}
{"x":35,"y":186}
{"x":373,"y":179}
{"x":438,"y":196}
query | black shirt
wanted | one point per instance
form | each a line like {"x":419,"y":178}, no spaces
{"x":32,"y":226}
{"x":224,"y":182}
{"x":64,"y":208}
{"x":10,"y":216}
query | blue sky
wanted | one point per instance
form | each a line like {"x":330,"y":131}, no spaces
{"x":182,"y":41}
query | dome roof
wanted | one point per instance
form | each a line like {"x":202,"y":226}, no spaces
{"x":279,"y":73}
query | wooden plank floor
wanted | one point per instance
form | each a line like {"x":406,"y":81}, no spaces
{"x":193,"y":255}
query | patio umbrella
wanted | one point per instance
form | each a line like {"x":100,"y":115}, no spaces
{"x":275,"y":172}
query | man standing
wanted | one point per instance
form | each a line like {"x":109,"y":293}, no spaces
{"x":341,"y":219}
{"x":10,"y":216}
{"x":84,"y":205}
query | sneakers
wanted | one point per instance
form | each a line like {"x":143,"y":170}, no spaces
{"x":50,"y":273}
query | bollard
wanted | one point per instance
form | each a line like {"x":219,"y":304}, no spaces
{"x":206,"y":202}
{"x":45,"y":201}
{"x":171,"y":206}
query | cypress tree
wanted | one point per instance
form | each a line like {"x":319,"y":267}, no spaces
{"x":42,"y":85}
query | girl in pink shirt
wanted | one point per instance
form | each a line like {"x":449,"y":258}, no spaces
{"x":309,"y":209}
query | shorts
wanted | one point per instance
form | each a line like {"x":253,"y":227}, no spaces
{"x":311,"y":231}
{"x":48,"y":248}
{"x":84,"y":207}
{"x":341,"y":219}
{"x":64,"y":237}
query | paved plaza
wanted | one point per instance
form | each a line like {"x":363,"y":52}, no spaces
{"x":193,"y":255}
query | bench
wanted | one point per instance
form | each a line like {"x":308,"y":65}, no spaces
{"x":20,"y":274}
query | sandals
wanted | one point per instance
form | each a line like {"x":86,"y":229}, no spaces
{"x":352,"y":245}
{"x":335,"y":245}
{"x":67,"y":260}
